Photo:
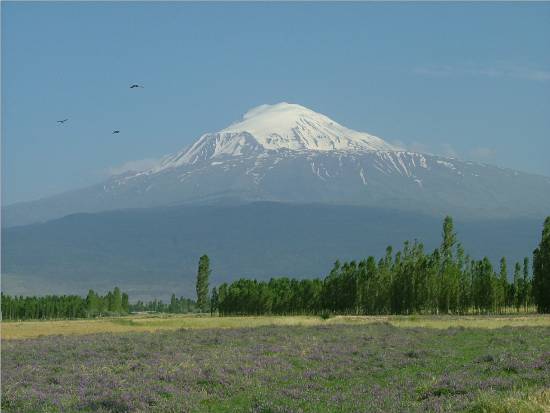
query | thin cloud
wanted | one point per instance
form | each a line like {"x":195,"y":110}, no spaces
{"x":133,"y":166}
{"x":443,"y":149}
{"x":402,"y":146}
{"x":479,"y":153}
{"x":448,"y":150}
{"x":483,"y":153}
{"x":491,"y":71}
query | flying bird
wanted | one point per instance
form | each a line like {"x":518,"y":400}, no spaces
{"x":116,"y":131}
{"x":61,"y":122}
{"x":135,"y":85}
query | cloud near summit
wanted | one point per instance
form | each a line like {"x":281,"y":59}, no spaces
{"x":132,"y":166}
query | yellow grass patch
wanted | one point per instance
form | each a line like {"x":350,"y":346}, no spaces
{"x":532,"y":401}
{"x":31,"y":329}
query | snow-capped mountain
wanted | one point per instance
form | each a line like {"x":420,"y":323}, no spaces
{"x":279,"y":127}
{"x":288,"y":153}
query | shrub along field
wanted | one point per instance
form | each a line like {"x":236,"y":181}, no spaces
{"x":341,"y":364}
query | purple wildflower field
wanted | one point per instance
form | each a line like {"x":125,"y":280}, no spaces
{"x":326,"y":368}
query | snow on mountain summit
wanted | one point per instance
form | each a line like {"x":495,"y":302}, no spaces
{"x":282,"y":126}
{"x":290,"y":126}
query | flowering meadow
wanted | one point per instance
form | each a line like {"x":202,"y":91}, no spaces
{"x":325,"y":368}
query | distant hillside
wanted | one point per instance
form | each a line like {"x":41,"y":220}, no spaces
{"x":153,"y":252}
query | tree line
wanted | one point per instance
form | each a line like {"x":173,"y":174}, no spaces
{"x":113,"y":303}
{"x":405,"y":282}
{"x":64,"y":306}
{"x":409,"y":281}
{"x":176,"y":306}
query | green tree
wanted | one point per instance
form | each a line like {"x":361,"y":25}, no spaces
{"x":203,"y":275}
{"x":214,"y":301}
{"x":449,"y":238}
{"x":92,"y":303}
{"x":541,"y":271}
{"x":125,"y":303}
{"x":117,"y":301}
{"x":502,"y":285}
{"x":485,"y":295}
{"x":517,"y":287}
{"x":526,"y":287}
{"x":448,"y":277}
{"x":173,"y":307}
{"x":109,"y":301}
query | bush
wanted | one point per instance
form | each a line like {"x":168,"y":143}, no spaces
{"x":325,"y":315}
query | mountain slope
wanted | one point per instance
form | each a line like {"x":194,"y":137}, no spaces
{"x":153,"y":252}
{"x":288,"y":153}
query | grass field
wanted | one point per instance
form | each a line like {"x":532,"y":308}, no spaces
{"x":329,"y":367}
{"x":33,"y":329}
{"x":279,"y":364}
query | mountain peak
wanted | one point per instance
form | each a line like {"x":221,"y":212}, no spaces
{"x":295,"y":127}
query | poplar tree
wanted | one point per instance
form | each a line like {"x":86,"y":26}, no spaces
{"x":92,"y":303}
{"x":116,"y":301}
{"x":202,"y":282}
{"x":517,"y":287}
{"x":487,"y":293}
{"x":172,"y":308}
{"x":447,"y":276}
{"x":503,"y":284}
{"x":109,"y":301}
{"x":541,"y":271}
{"x":214,"y":301}
{"x":125,"y":303}
{"x":526,"y":287}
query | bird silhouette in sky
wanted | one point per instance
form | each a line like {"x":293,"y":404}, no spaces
{"x":135,"y":85}
{"x":61,"y":122}
{"x":116,"y":131}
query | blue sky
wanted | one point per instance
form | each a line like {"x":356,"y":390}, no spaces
{"x":465,"y":79}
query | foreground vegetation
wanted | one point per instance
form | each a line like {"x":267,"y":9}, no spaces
{"x":332,"y":366}
{"x":308,"y":359}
